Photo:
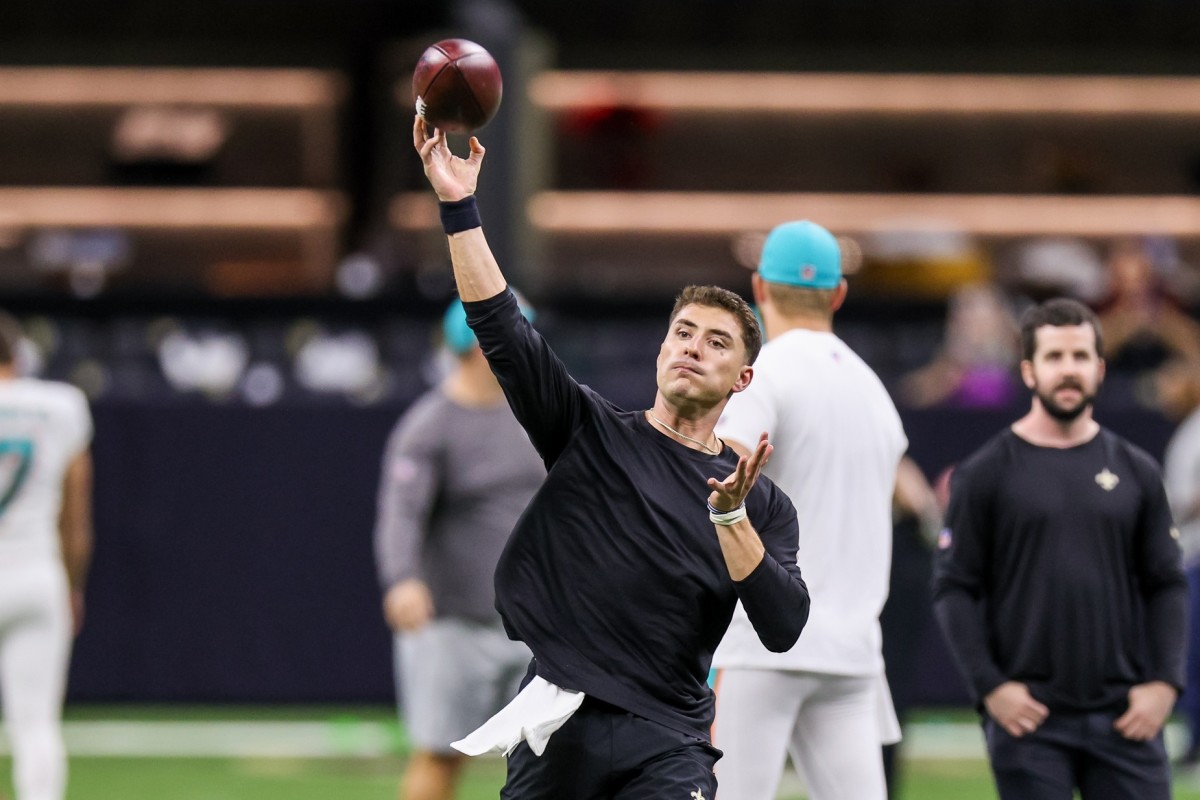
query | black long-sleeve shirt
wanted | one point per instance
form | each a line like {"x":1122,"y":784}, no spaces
{"x":613,"y":576}
{"x":1060,"y":568}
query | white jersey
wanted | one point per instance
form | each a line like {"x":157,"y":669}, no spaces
{"x":1181,"y":476}
{"x":43,"y":427}
{"x":838,"y":442}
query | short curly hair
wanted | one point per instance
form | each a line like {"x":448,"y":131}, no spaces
{"x":716,"y":297}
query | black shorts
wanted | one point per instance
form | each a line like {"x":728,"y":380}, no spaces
{"x":1077,"y":751}
{"x":606,"y":753}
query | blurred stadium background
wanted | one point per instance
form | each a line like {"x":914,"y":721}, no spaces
{"x":211,"y":220}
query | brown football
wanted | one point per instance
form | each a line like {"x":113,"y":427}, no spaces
{"x":457,"y":86}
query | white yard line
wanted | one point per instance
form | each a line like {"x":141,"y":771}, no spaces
{"x":359,"y":739}
{"x":210,"y":739}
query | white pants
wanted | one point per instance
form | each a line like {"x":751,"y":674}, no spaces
{"x":35,"y":645}
{"x":831,"y":724}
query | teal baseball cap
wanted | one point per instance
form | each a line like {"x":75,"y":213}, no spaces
{"x":801,"y":253}
{"x":458,"y":335}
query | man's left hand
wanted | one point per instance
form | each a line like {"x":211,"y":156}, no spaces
{"x":730,"y":493}
{"x":1149,"y":706}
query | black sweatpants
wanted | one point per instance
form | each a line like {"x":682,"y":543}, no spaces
{"x":606,"y":753}
{"x":1081,"y":751}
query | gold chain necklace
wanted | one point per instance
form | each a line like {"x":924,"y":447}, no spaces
{"x":683,"y":435}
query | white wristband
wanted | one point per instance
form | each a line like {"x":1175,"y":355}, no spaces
{"x":727,"y":517}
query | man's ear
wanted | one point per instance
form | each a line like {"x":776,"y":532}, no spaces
{"x":1027,"y":374}
{"x":744,"y":378}
{"x":759,"y":288}
{"x":839,"y":295}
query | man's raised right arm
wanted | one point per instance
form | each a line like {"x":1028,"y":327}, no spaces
{"x":453,"y":180}
{"x":550,"y":407}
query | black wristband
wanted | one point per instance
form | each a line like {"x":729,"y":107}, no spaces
{"x":460,"y":215}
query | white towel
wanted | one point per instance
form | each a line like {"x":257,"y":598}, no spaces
{"x":889,"y":726}
{"x":538,"y":710}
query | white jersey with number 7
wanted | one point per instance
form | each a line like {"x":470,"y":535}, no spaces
{"x":43,"y":426}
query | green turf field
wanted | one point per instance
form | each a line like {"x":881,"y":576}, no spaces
{"x":355,"y":754}
{"x":358,"y":779}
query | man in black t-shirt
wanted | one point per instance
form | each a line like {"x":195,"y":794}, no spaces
{"x":1059,"y":585}
{"x":623,"y":572}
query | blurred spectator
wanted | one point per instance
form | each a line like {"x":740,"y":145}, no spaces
{"x":1142,"y":322}
{"x":922,"y":258}
{"x":344,"y":363}
{"x":1178,"y":392}
{"x":1051,"y":266}
{"x":210,"y":362}
{"x":976,"y":365}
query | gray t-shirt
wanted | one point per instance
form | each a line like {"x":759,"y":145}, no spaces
{"x":454,"y":482}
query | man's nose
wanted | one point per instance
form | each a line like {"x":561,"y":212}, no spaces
{"x":1072,"y":373}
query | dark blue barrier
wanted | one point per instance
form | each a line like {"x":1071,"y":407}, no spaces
{"x":233,"y":557}
{"x":234,"y":562}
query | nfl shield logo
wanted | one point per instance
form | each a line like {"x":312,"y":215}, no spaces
{"x":944,"y":538}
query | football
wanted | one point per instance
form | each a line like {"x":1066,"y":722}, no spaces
{"x":457,"y":86}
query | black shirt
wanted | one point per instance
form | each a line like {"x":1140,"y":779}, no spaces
{"x":1060,"y":568}
{"x":613,"y":576}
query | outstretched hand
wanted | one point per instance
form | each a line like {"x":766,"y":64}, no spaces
{"x":452,"y":178}
{"x":731,"y":492}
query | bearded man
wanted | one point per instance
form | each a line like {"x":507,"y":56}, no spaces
{"x":1059,"y":585}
